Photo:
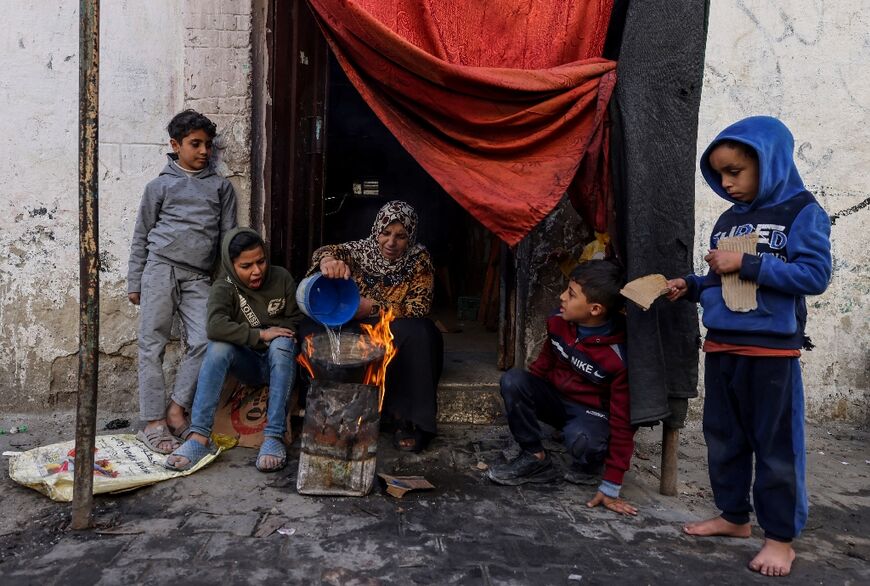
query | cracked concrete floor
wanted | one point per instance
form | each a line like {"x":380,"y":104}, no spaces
{"x":203,"y":528}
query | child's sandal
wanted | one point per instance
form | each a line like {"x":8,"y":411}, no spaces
{"x":193,"y":451}
{"x":155,"y":436}
{"x":272,"y":446}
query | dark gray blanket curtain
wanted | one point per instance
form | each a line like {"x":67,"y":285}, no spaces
{"x":655,"y":123}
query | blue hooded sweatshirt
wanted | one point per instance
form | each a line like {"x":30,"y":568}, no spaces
{"x":794,"y":249}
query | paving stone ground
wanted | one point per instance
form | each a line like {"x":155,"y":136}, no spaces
{"x":202,"y":529}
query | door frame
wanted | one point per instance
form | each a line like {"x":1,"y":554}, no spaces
{"x":297,"y":83}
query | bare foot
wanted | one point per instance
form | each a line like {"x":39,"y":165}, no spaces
{"x":181,"y":461}
{"x":774,"y":559}
{"x":165,"y":446}
{"x":717,"y":526}
{"x":175,"y":417}
{"x":268,"y":462}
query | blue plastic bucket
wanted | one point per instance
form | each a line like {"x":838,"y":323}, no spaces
{"x":332,"y":302}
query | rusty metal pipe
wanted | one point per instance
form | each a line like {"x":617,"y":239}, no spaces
{"x":89,"y":276}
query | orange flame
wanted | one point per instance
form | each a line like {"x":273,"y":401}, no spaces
{"x":376,"y":336}
{"x":380,"y":335}
{"x":308,"y":350}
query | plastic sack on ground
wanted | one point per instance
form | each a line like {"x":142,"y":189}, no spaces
{"x":121,"y":462}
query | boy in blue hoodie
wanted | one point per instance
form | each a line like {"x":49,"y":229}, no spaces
{"x":754,"y":395}
{"x":182,"y":217}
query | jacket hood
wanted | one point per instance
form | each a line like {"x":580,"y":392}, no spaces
{"x":227,"y":269}
{"x":173,"y":169}
{"x":778,"y":177}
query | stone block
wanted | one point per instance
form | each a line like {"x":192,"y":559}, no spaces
{"x":202,"y":38}
{"x":234,"y":39}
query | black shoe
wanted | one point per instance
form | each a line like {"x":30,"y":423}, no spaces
{"x":584,"y":474}
{"x":524,"y":469}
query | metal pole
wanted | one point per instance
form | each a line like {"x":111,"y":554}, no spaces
{"x":89,"y":276}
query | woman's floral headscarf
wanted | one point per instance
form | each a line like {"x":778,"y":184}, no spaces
{"x":366,"y":254}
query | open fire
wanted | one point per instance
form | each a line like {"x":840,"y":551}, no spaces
{"x":375,"y":341}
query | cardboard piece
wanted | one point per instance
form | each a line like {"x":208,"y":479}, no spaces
{"x":269,"y":525}
{"x":397,"y":486}
{"x":739,"y":295}
{"x":241,"y":413}
{"x":645,"y":290}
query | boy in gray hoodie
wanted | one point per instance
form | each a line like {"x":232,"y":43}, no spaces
{"x":182,"y":217}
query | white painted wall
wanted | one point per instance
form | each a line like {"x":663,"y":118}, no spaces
{"x":156,"y":58}
{"x":805,"y":62}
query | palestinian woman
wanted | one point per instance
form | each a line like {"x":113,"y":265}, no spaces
{"x":394,"y":272}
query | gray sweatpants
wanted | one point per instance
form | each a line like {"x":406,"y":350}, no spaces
{"x":166,"y":290}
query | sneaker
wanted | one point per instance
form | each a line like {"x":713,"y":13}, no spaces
{"x":585,"y":475}
{"x":524,"y":469}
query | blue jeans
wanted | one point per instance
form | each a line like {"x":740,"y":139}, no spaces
{"x":275,"y":366}
{"x":528,"y":399}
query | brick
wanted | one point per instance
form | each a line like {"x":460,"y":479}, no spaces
{"x":202,"y":38}
{"x":234,"y":39}
{"x":233,"y":105}
{"x":216,"y":72}
{"x":243,"y":22}
{"x":203,"y":105}
{"x":226,"y":22}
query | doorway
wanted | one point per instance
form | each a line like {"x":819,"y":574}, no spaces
{"x":332,"y":164}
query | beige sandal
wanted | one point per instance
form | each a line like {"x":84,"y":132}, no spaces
{"x":154,"y":437}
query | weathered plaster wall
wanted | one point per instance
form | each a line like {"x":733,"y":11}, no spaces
{"x":805,"y":62}
{"x":538,"y":292}
{"x":157,"y":58}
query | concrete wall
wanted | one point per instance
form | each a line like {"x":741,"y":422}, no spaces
{"x":156,"y":58}
{"x":805,"y":62}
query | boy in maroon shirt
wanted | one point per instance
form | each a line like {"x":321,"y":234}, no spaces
{"x":579,"y":383}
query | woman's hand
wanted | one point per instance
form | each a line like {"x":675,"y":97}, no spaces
{"x":334,"y":268}
{"x":365,"y":308}
{"x":724,"y":261}
{"x":133,"y":298}
{"x":616,"y":505}
{"x":270,"y":334}
{"x":676,"y":289}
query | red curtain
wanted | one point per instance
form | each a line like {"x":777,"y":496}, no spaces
{"x":499,"y":100}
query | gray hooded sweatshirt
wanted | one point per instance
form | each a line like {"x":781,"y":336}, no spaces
{"x":181,"y":220}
